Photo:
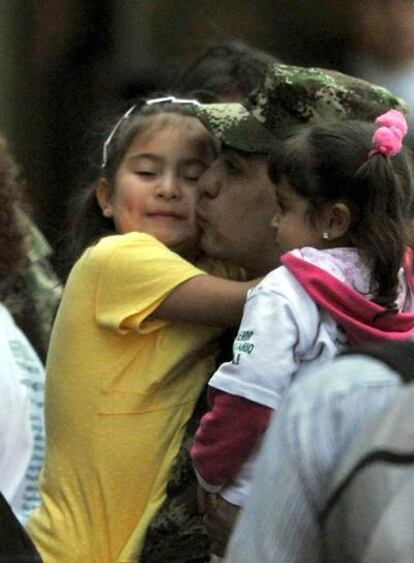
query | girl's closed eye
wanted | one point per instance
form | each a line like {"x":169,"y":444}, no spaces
{"x":192,"y":172}
{"x":144,"y":166}
{"x":145,"y":173}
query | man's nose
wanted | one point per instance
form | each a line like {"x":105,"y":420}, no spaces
{"x":209,"y":183}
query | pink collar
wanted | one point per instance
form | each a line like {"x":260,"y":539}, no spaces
{"x":360,"y":318}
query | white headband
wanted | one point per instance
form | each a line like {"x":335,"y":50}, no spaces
{"x":165,"y":100}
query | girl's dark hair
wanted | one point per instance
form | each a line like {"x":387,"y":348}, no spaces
{"x":325,"y":164}
{"x":231,"y":69}
{"x":12,"y":226}
{"x":87,"y":224}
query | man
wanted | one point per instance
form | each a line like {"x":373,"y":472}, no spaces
{"x":235,"y":211}
{"x":237,"y":202}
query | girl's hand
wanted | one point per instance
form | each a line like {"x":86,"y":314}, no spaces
{"x":220,"y":518}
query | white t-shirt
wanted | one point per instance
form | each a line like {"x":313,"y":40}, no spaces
{"x":21,"y":418}
{"x":283,"y":334}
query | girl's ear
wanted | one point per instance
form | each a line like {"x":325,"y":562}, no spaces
{"x":104,"y":197}
{"x":338,"y":220}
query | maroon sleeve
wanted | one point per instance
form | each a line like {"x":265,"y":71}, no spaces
{"x":227,"y":435}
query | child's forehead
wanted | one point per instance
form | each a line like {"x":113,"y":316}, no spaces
{"x":186,"y":128}
{"x":176,"y":122}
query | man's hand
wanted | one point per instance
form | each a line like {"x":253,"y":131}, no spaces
{"x":205,"y":501}
{"x":219,"y":518}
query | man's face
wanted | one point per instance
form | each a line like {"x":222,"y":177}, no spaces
{"x":235,"y":211}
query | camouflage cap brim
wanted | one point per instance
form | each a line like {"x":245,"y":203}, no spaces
{"x":291,"y":96}
{"x":234,"y":126}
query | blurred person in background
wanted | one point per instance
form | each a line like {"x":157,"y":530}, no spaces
{"x":21,"y":372}
{"x":34,"y":296}
{"x":315,"y":427}
{"x":226,"y":72}
{"x":382,"y":35}
{"x":15,"y":544}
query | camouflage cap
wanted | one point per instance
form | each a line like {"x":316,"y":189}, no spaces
{"x":292,"y":95}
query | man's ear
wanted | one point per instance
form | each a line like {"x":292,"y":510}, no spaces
{"x":104,"y":197}
{"x":338,"y":220}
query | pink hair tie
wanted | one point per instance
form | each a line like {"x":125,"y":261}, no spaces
{"x":387,"y":139}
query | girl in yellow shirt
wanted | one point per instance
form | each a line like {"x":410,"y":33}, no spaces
{"x":134,"y":339}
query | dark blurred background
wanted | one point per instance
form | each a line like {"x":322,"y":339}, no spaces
{"x":63,"y":62}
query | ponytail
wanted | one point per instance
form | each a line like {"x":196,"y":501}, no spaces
{"x":381,"y":230}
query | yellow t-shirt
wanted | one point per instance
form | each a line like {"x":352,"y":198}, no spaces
{"x":120,"y":389}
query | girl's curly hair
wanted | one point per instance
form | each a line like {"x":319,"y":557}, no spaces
{"x":12,"y":227}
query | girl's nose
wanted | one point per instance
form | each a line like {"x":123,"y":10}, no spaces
{"x":168,"y":187}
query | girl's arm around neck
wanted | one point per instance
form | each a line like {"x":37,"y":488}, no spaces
{"x":206,"y":300}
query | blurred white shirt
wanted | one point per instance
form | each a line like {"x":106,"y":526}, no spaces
{"x":22,"y":432}
{"x":313,"y":428}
